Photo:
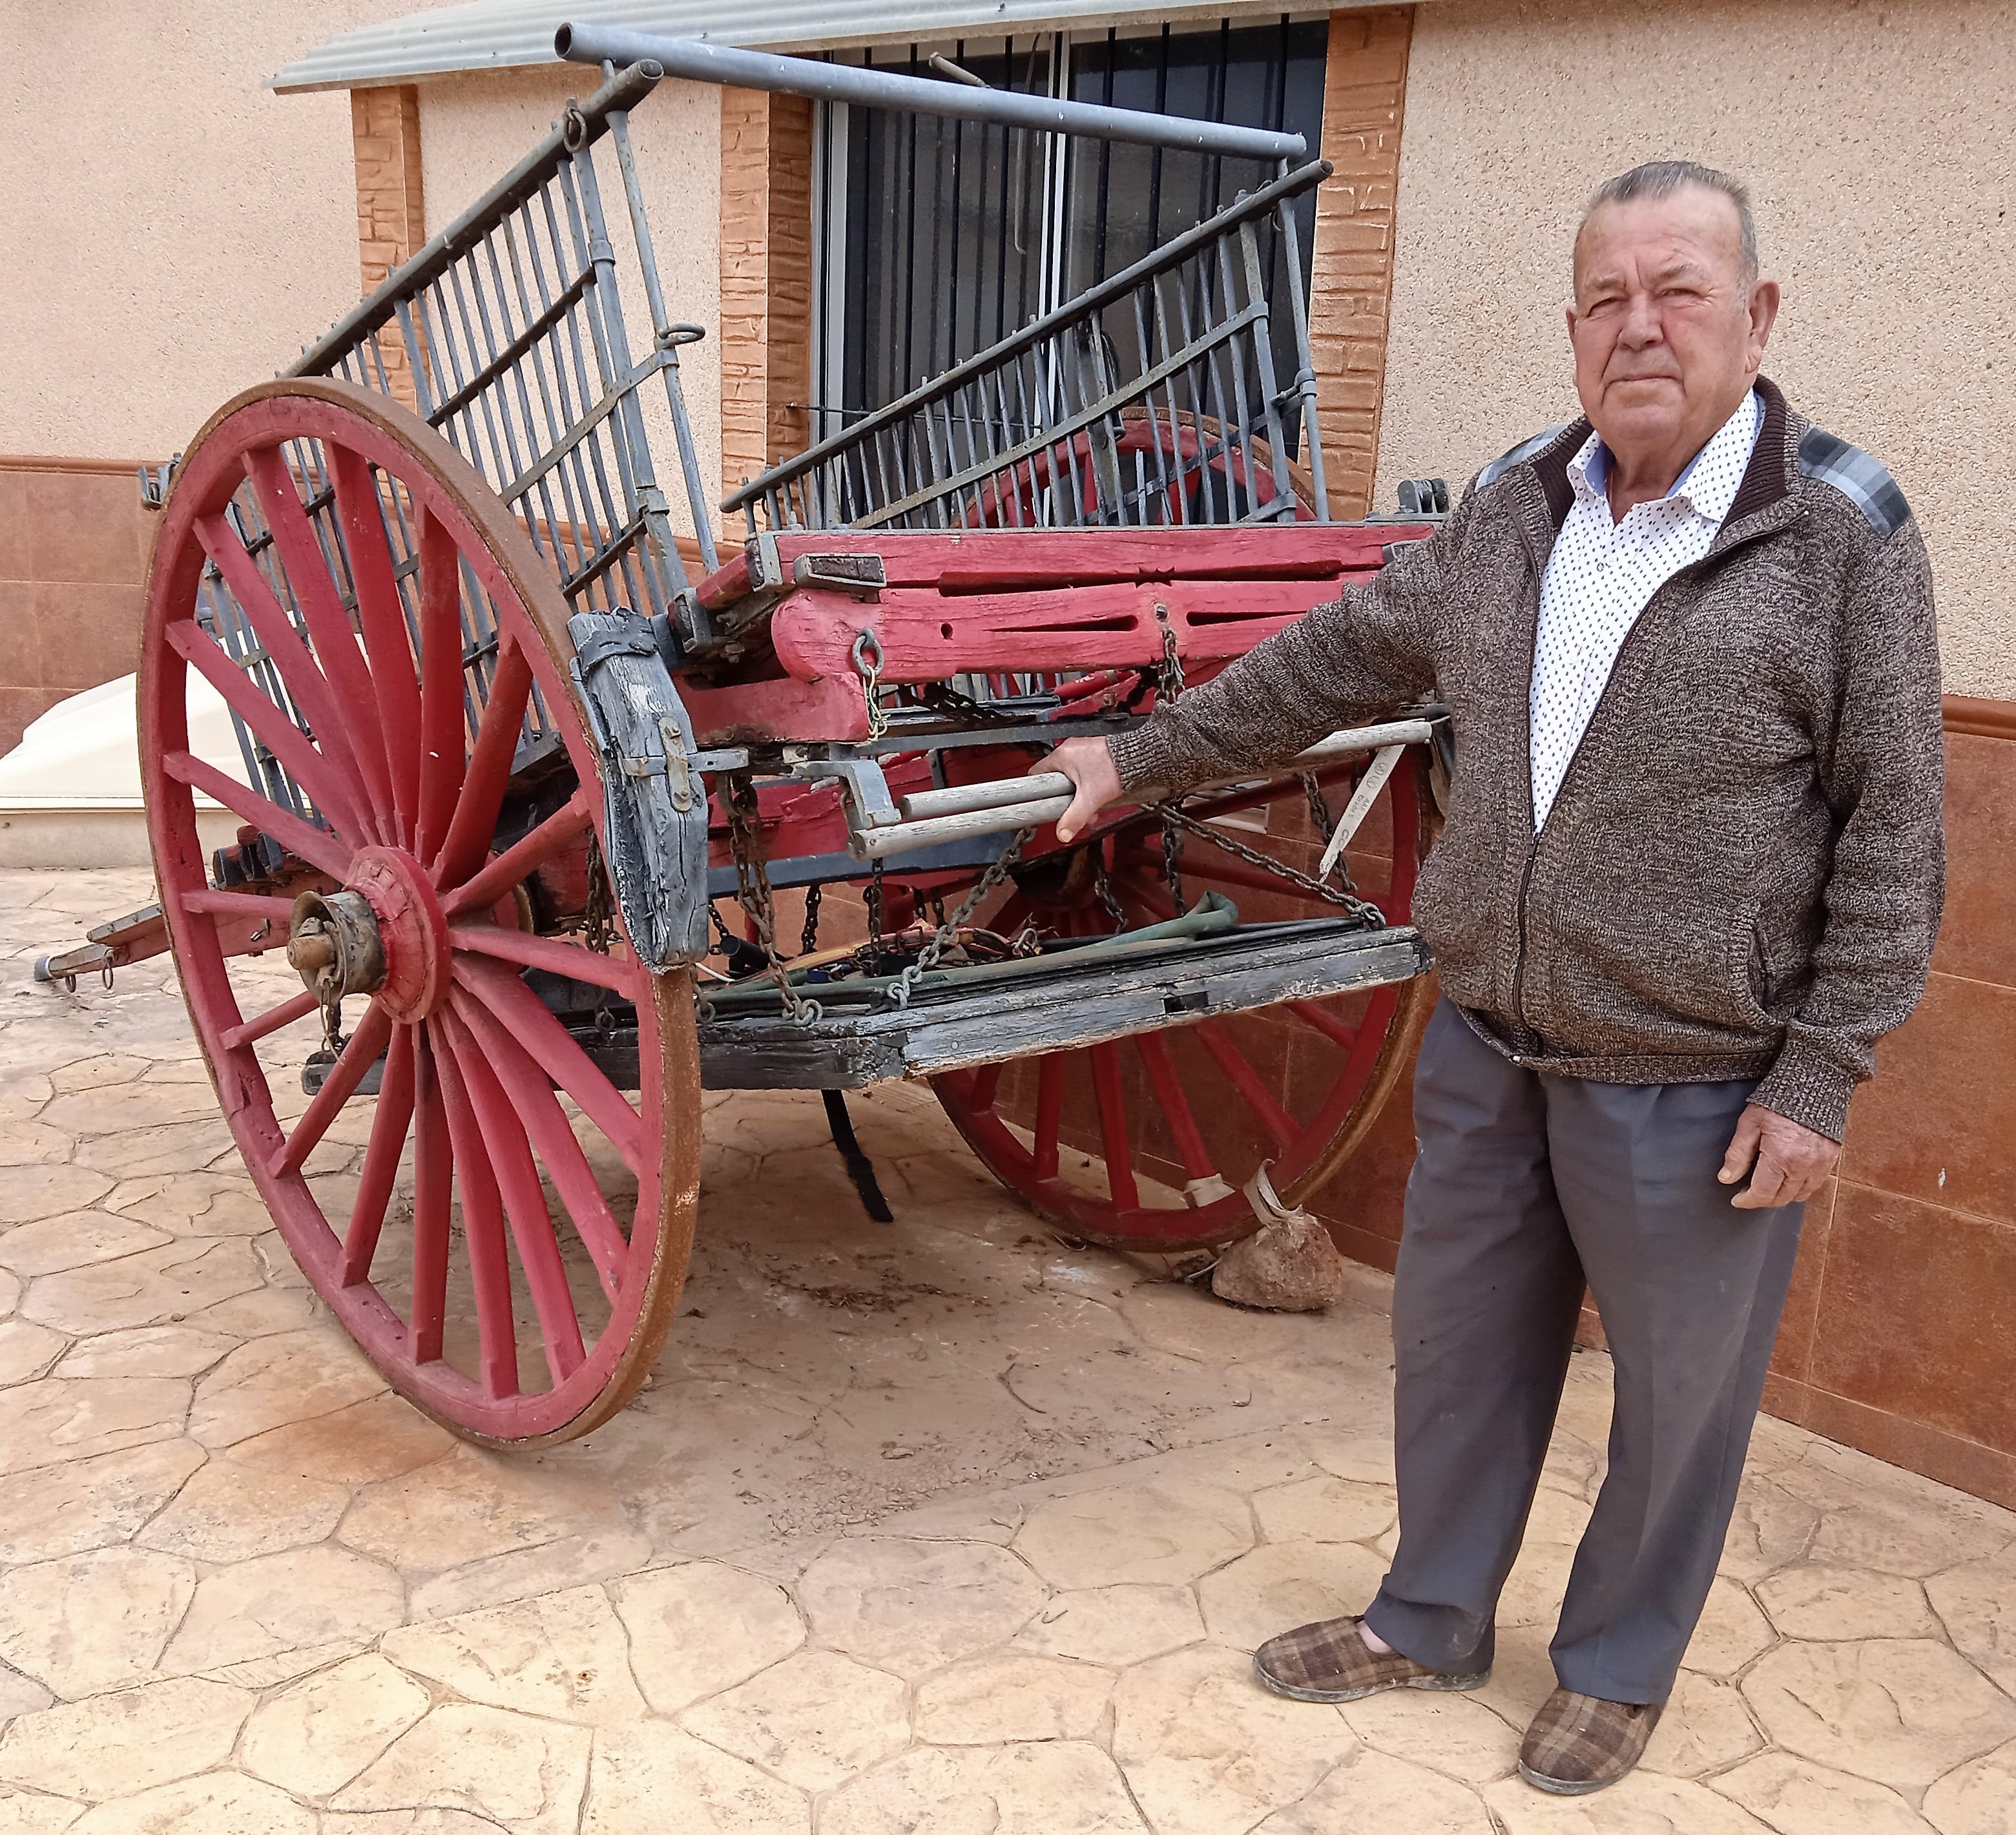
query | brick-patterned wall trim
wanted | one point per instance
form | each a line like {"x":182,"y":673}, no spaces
{"x":392,"y":213}
{"x":1351,"y":285}
{"x":1894,"y":1337}
{"x":1985,"y":719}
{"x":766,"y":280}
{"x":37,"y":461}
{"x":74,"y":547}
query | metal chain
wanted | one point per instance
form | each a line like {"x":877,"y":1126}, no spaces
{"x":1103,"y":881}
{"x":947,"y":932}
{"x":1170,"y":679}
{"x":809,"y":937}
{"x":596,"y":918}
{"x":866,"y":657}
{"x":1326,"y":825}
{"x":752,"y":882}
{"x":872,"y":903}
{"x":1370,"y":914}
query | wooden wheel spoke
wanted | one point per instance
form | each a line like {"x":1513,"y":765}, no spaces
{"x":285,"y":649}
{"x":525,"y":1206}
{"x":1049,"y":1113}
{"x":387,"y":725}
{"x":1279,"y":1124}
{"x":549,"y":1045}
{"x":482,"y":1224}
{"x":1112,"y":1104}
{"x":343,"y":665}
{"x":270,"y":724}
{"x":619,"y":974}
{"x":1310,"y":1013}
{"x":1154,"y":1049}
{"x":381,"y":1158}
{"x":271,"y":1021}
{"x":238,"y":904}
{"x":525,"y":1086}
{"x":318,"y":846}
{"x":986,"y":1085}
{"x":383,"y":614}
{"x":489,"y":773}
{"x":443,"y":720}
{"x":518,"y":861}
{"x":356,"y":1057}
{"x":434,"y":1179}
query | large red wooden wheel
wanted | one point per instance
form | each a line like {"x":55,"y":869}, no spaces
{"x":1147,"y":1142}
{"x":501,"y":1227}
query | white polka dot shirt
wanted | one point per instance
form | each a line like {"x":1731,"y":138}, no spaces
{"x":1603,"y":573}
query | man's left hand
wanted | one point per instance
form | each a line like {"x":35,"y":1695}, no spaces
{"x":1787,"y":1163}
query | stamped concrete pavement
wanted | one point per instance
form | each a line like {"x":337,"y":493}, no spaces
{"x":940,"y":1527}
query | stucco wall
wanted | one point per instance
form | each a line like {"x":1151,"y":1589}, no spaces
{"x":171,"y":231}
{"x":474,"y":128}
{"x":1880,"y":141}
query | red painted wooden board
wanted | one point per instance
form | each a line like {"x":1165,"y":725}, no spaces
{"x":1038,"y":600}
{"x":966,"y":560}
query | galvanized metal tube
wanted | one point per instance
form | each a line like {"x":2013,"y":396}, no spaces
{"x":706,"y":62}
{"x":1003,"y":804}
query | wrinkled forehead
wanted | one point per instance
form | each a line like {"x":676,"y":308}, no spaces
{"x":1693,"y":229}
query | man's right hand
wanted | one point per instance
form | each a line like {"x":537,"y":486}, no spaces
{"x":1089,"y":765}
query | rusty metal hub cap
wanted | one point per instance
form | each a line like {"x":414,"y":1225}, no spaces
{"x":334,"y":945}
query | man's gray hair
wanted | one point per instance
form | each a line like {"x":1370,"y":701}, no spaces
{"x":1658,"y":179}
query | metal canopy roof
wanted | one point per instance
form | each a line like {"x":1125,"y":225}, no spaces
{"x":502,"y":34}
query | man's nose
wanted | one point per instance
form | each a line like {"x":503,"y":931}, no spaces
{"x":1642,"y":324}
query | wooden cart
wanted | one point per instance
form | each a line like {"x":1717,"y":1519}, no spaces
{"x":516,"y":724}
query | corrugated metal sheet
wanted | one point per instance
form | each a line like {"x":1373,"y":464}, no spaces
{"x":499,"y":34}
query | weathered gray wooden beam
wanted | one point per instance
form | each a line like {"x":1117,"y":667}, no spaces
{"x":979,"y":1018}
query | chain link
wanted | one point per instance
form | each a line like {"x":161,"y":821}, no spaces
{"x":1103,"y":881}
{"x":809,"y":937}
{"x":947,"y":932}
{"x":752,"y":882}
{"x":1326,"y":825}
{"x":599,"y":930}
{"x":1370,"y":914}
{"x":866,"y":657}
{"x":1169,"y":677}
{"x":871,"y":902}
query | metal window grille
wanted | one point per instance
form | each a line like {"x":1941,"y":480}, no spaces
{"x":1152,"y":398}
{"x":942,"y":237}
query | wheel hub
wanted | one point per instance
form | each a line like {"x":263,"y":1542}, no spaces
{"x":334,"y":946}
{"x":383,"y":934}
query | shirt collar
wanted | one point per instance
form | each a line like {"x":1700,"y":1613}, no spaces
{"x":1589,"y":471}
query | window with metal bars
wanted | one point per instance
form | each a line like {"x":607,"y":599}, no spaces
{"x":939,"y":237}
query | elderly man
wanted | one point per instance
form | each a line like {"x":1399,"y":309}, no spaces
{"x":1691,"y":872}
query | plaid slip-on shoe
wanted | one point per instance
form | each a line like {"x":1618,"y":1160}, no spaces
{"x":1331,"y":1661}
{"x":1578,"y":1743}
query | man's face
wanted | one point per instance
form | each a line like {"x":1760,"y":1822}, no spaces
{"x":1667,"y":337}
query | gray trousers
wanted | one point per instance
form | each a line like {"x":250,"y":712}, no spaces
{"x":1525,"y":1186}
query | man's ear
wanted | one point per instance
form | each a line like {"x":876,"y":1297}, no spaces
{"x":1763,"y":316}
